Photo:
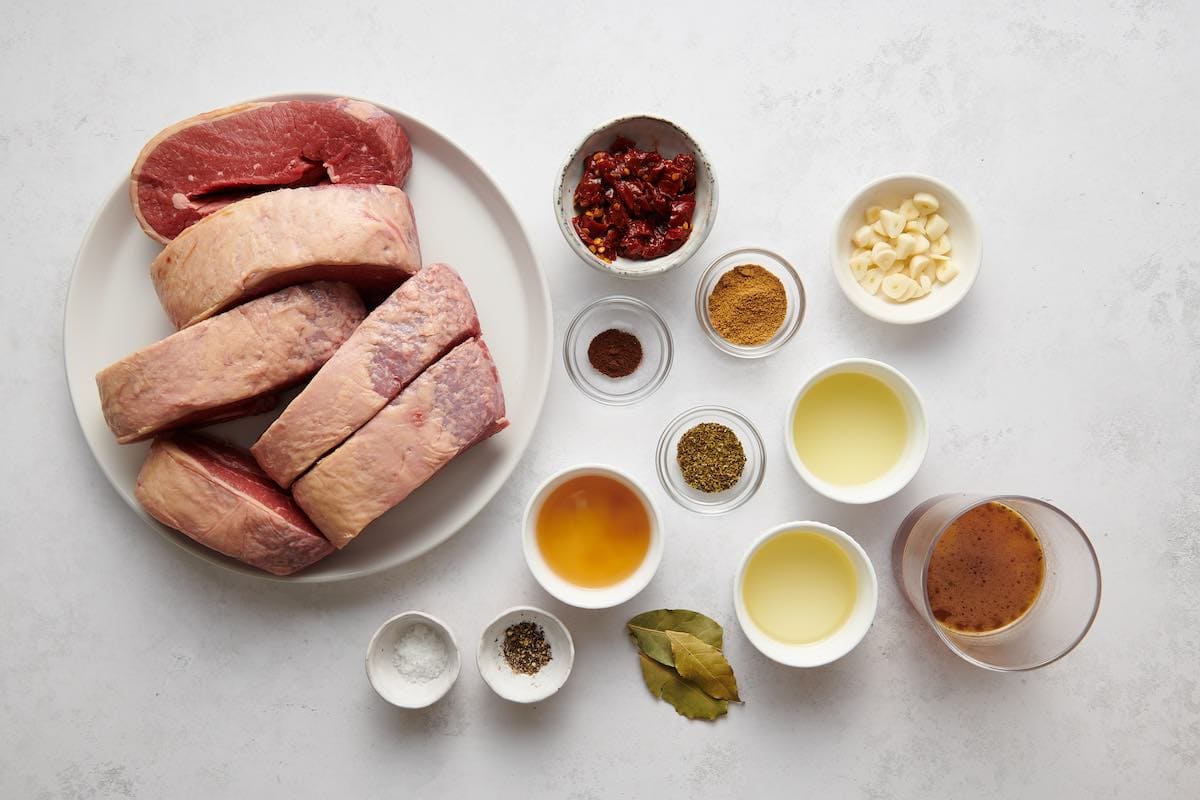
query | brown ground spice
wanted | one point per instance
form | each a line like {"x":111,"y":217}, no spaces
{"x":616,"y":353}
{"x":747,"y":305}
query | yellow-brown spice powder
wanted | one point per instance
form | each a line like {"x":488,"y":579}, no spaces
{"x":747,"y":305}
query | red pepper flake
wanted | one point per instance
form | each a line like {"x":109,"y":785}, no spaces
{"x":635,"y":203}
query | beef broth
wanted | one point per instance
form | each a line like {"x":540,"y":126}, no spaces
{"x":986,"y":570}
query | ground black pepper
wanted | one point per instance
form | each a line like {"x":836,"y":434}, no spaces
{"x":525,"y":648}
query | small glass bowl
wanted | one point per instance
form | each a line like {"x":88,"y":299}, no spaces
{"x":694,"y":499}
{"x":625,"y":314}
{"x":778,"y":266}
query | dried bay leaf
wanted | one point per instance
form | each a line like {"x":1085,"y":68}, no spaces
{"x":648,"y":631}
{"x":702,"y":664}
{"x":688,"y":698}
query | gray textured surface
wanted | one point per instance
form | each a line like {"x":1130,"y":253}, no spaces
{"x":129,"y":669}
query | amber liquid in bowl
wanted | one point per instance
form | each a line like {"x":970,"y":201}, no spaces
{"x":986,"y":571}
{"x":593,"y":531}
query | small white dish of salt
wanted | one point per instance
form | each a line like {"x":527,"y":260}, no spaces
{"x":413,"y":660}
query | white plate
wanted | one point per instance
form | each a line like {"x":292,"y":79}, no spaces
{"x":112,"y":311}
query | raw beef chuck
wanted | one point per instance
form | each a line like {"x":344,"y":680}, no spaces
{"x":230,"y":365}
{"x":422,"y":320}
{"x":365,"y":235}
{"x":215,"y":494}
{"x":453,"y":405}
{"x":197,"y":166}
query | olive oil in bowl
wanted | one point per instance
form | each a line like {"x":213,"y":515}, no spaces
{"x":805,"y":594}
{"x":799,"y":587}
{"x":856,"y":431}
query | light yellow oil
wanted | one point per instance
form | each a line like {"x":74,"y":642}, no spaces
{"x":799,"y":587}
{"x":850,"y":428}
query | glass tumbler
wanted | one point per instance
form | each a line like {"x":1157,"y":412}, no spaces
{"x":1065,"y":607}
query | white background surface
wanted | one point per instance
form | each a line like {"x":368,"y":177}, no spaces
{"x":130,"y":669}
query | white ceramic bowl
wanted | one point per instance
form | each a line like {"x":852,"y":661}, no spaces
{"x":390,"y":683}
{"x":579,"y":596}
{"x":966,"y":248}
{"x":910,"y":460}
{"x":840,"y":642}
{"x":648,"y":133}
{"x":515,"y":686}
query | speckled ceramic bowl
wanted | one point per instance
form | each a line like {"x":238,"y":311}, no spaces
{"x":649,"y":133}
{"x":386,"y":679}
{"x":515,"y":686}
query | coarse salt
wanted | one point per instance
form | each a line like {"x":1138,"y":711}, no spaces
{"x":420,"y":654}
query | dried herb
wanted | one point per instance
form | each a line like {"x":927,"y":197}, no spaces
{"x":649,"y":631}
{"x":525,"y":648}
{"x":688,"y":698}
{"x":684,"y":667}
{"x":711,"y":457}
{"x":704,"y":665}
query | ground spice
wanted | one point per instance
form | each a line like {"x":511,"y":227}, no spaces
{"x":711,"y":457}
{"x":525,"y":648}
{"x":615,"y":353}
{"x":747,"y":305}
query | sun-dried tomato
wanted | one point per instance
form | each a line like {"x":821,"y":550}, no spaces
{"x":635,"y":203}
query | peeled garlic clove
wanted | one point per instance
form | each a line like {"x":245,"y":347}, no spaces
{"x":891,"y":222}
{"x":939,"y":256}
{"x":859,"y":265}
{"x":926,"y":283}
{"x":925,"y":202}
{"x":942,"y":244}
{"x":909,"y":211}
{"x":898,"y":266}
{"x":864,"y":236}
{"x":936,"y":227}
{"x":883,"y":255}
{"x":915,"y":225}
{"x":920,"y":265}
{"x":873,"y":213}
{"x":905,"y":245}
{"x":896,"y":286}
{"x":877,"y":226}
{"x":946,"y":271}
{"x":920,"y":244}
{"x":871,"y":281}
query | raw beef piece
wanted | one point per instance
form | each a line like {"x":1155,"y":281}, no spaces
{"x":431,"y":313}
{"x":216,"y":494}
{"x":195,"y":167}
{"x":365,"y":235}
{"x":223,"y":367}
{"x":454,"y":404}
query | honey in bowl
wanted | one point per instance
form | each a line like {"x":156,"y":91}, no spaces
{"x":593,"y":531}
{"x":986,"y":571}
{"x":850,"y":428}
{"x":799,"y":587}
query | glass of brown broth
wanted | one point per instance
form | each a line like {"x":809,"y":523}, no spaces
{"x":1007,"y":582}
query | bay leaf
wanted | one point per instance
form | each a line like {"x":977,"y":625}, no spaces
{"x":688,"y":699}
{"x":648,"y":631}
{"x":704,"y":665}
